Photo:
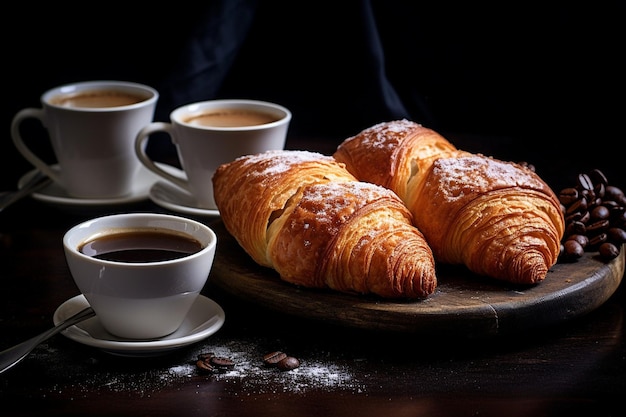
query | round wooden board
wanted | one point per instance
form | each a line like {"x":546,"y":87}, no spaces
{"x":464,"y":304}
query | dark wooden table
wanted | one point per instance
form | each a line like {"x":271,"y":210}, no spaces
{"x":578,"y":366}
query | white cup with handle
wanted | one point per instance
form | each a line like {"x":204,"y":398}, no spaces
{"x":92,"y":127}
{"x":210,"y":133}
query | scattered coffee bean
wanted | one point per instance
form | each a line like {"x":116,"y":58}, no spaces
{"x":221,"y":362}
{"x":281,"y":361}
{"x":208,"y":362}
{"x":273,"y":358}
{"x":288,"y":363}
{"x":204,"y":366}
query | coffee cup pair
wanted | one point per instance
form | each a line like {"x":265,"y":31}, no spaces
{"x":99,"y":131}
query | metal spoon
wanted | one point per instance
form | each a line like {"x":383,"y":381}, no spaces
{"x":15,"y":354}
{"x":36,"y":182}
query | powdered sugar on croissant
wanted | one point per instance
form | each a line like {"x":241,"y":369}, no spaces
{"x":302,"y":214}
{"x":498,"y":218}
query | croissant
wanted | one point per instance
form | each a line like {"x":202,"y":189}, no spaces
{"x":498,"y":218}
{"x":305,"y":216}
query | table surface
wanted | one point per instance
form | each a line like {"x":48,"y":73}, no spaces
{"x":575,"y":366}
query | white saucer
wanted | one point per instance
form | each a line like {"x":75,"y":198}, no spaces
{"x":205,"y":318}
{"x":55,"y":194}
{"x":174,"y":198}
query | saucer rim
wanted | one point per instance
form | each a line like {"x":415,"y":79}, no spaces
{"x":145,"y":181}
{"x":140,"y":347}
{"x":170,"y":205}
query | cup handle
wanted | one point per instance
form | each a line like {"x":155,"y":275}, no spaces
{"x":18,"y":141}
{"x":141,"y":143}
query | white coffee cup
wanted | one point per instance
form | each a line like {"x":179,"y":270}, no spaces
{"x":92,"y":127}
{"x":136,"y":294}
{"x":210,"y":133}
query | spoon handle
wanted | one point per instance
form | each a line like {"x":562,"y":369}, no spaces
{"x":15,"y":354}
{"x":37,"y":182}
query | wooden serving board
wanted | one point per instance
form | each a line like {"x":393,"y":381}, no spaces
{"x":464,"y":304}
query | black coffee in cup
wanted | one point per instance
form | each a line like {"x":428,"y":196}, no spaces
{"x":140,"y":246}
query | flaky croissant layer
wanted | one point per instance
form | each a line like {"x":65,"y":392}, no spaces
{"x":304,"y":215}
{"x":353,"y":237}
{"x":498,"y":218}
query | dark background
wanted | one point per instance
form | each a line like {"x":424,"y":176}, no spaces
{"x":519,"y":81}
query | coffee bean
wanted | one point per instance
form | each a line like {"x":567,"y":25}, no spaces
{"x":288,"y":363}
{"x":608,"y":251}
{"x":597,"y":240}
{"x":568,"y":196}
{"x":281,"y":361}
{"x":616,"y":235}
{"x":575,"y":228}
{"x":599,"y":190}
{"x":588,"y":195}
{"x":597,"y":227}
{"x":585,"y":217}
{"x":582,"y":240}
{"x":222,"y":362}
{"x":573,"y":249}
{"x":208,"y":362}
{"x":584,"y":182}
{"x":273,"y":358}
{"x":614,"y":193}
{"x":600,"y":213}
{"x":574,"y":217}
{"x":578,"y":206}
{"x":204,"y":366}
{"x":598,"y":177}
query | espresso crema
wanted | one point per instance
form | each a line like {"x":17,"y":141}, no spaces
{"x":97,"y":99}
{"x":230,"y":118}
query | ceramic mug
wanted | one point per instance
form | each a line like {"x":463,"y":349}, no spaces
{"x":140,"y":272}
{"x":92,"y":127}
{"x":210,"y":133}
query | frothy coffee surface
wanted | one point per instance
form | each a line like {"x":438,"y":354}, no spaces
{"x":97,"y":99}
{"x":231,"y":118}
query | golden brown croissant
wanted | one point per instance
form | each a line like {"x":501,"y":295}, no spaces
{"x":304,"y":215}
{"x":498,"y":218}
